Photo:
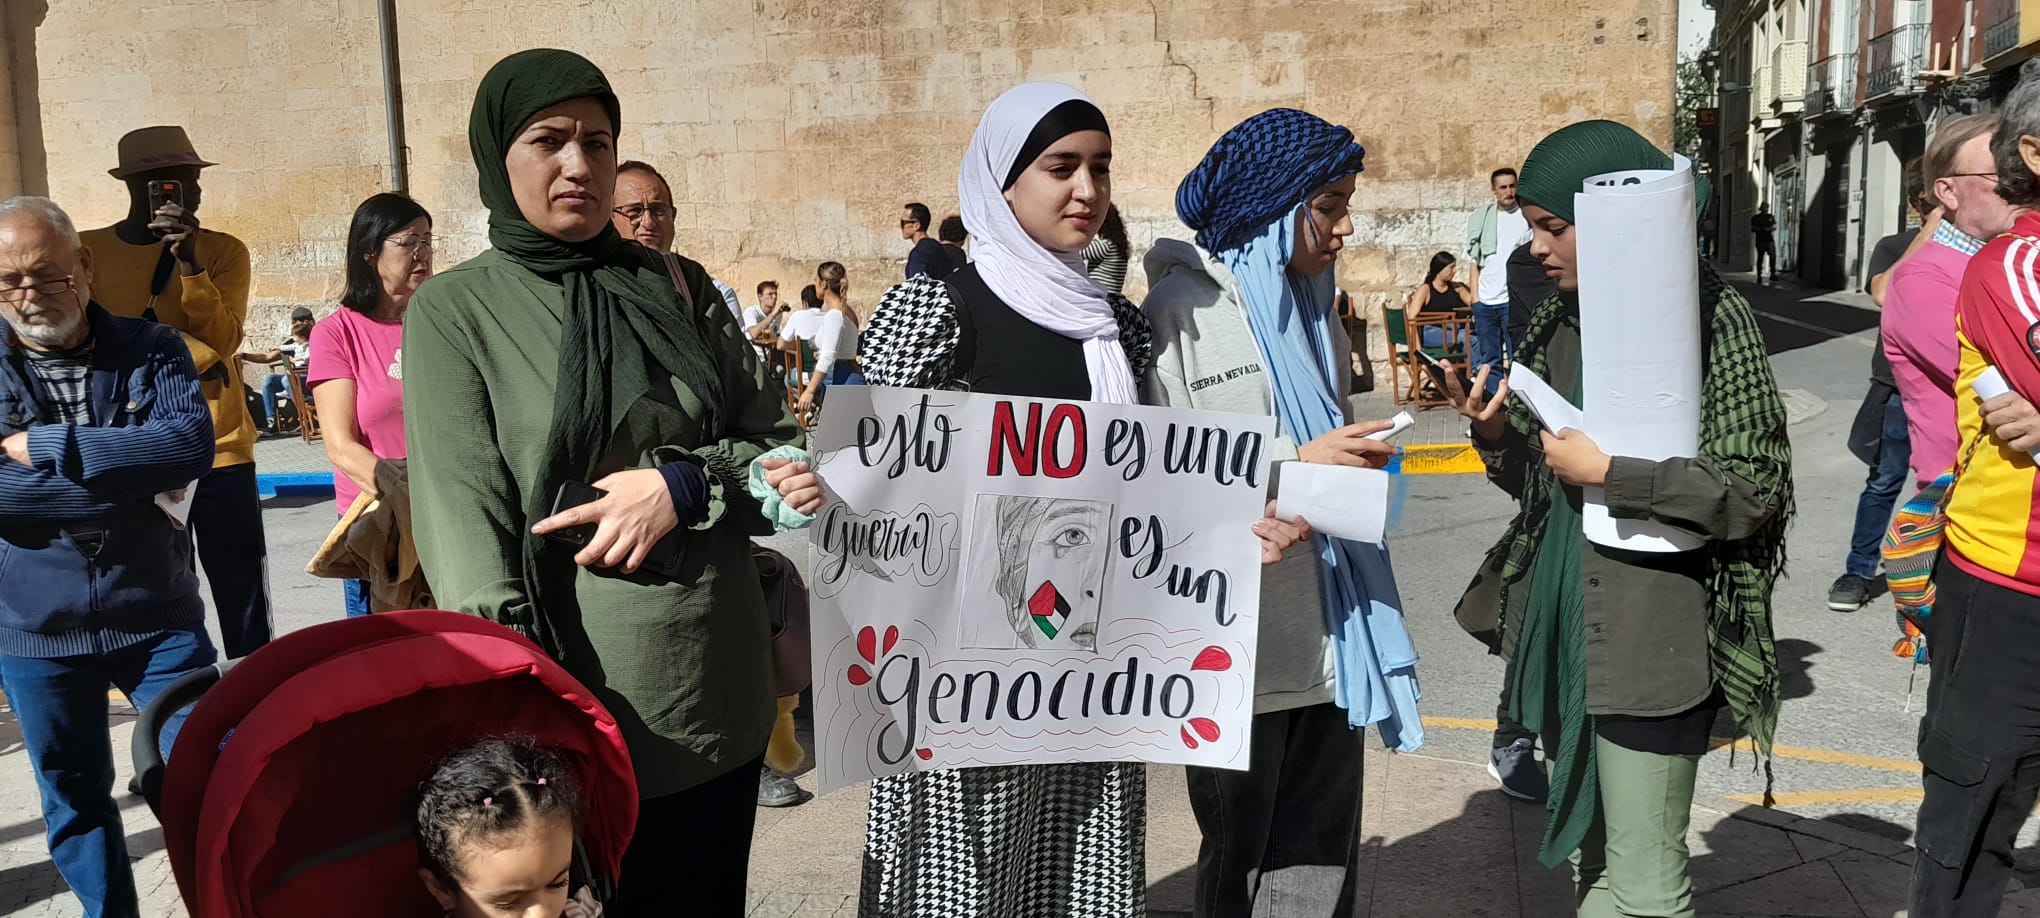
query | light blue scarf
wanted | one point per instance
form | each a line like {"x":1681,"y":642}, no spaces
{"x":1291,"y":316}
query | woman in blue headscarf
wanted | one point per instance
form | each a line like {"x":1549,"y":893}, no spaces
{"x":1243,"y":321}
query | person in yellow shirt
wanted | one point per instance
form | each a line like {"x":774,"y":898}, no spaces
{"x":158,"y":263}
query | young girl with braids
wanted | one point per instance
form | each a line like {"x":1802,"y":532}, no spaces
{"x":496,"y":826}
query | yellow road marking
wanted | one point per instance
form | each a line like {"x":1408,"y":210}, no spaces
{"x":1826,"y":797}
{"x":1441,"y":459}
{"x":1800,"y":753}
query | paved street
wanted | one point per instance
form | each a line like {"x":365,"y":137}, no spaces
{"x":1441,"y":840}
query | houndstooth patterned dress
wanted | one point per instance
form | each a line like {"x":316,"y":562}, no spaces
{"x":1025,"y":841}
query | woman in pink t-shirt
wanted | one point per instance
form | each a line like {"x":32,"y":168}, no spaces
{"x":357,"y":365}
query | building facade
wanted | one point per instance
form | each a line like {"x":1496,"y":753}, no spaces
{"x":1879,"y":75}
{"x":793,"y":130}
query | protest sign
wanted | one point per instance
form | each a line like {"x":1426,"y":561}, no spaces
{"x":1004,"y":580}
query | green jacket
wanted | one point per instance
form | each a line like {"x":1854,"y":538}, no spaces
{"x":1483,"y":233}
{"x":1646,"y":612}
{"x":684,"y":666}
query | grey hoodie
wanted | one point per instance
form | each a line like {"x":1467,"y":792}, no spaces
{"x":1206,"y":358}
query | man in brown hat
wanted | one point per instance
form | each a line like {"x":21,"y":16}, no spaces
{"x":158,"y":263}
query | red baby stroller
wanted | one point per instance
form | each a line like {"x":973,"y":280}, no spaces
{"x":290,"y":791}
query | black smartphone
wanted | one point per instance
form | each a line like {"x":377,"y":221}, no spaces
{"x":1437,"y":371}
{"x":165,"y":191}
{"x":574,"y":494}
{"x":664,"y":557}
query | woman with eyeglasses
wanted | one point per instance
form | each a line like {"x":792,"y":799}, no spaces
{"x":357,"y":370}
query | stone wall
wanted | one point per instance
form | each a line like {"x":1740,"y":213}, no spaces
{"x":792,"y":130}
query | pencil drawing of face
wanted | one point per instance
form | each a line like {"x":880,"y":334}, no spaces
{"x":1050,"y":570}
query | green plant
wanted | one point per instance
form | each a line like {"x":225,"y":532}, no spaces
{"x":1692,"y":91}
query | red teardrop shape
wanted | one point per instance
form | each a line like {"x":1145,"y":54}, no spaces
{"x":1205,"y":727}
{"x":1188,"y":740}
{"x":858,"y":676}
{"x":867,"y":644}
{"x":925,"y":754}
{"x":1214,"y":659}
{"x":892,"y":636}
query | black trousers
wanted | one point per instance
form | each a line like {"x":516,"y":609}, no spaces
{"x":1282,"y":837}
{"x":1979,"y":743}
{"x":226,"y":522}
{"x":691,"y":853}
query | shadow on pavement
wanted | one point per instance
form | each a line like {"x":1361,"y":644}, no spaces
{"x":40,"y":881}
{"x":1793,"y":317}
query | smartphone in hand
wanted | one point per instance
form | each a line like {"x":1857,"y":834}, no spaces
{"x":574,"y":494}
{"x":1437,"y":370}
{"x":166,"y":191}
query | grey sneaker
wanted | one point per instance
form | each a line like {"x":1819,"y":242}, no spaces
{"x":776,"y":790}
{"x":1850,"y":593}
{"x":1518,"y":770}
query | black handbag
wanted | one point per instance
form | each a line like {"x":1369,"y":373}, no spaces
{"x":786,"y":610}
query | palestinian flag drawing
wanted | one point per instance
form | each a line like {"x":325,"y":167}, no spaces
{"x":1050,"y":610}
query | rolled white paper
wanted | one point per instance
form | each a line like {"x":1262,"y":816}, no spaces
{"x":1639,"y":333}
{"x":1401,"y":422}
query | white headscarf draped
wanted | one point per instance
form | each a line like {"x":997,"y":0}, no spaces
{"x":1047,"y":288}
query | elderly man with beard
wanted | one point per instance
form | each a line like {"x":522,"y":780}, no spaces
{"x":104,"y":430}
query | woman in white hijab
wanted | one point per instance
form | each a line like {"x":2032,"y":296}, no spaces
{"x":1022,"y":319}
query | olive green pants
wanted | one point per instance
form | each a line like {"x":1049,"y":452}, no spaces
{"x":1632,"y":863}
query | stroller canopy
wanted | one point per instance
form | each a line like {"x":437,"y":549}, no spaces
{"x":291,"y":788}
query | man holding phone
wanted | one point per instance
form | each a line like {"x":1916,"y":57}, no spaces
{"x":158,"y":263}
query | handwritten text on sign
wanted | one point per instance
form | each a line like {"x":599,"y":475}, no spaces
{"x":1009,"y":581}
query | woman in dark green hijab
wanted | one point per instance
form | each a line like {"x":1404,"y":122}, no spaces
{"x":567,"y":354}
{"x":1621,"y":659}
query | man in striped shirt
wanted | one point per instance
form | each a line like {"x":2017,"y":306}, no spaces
{"x":99,"y":415}
{"x":1979,"y":742}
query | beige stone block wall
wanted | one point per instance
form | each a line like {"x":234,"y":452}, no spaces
{"x":792,"y":130}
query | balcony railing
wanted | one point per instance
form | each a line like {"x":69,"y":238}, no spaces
{"x":1760,"y":94}
{"x":1788,"y":78}
{"x":1831,"y":85}
{"x":1895,"y":61}
{"x":2000,"y":22}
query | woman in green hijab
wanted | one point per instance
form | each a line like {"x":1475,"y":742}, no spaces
{"x":1621,"y":659}
{"x":567,"y":355}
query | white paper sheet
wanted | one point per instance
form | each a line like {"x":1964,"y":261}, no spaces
{"x":1989,"y":385}
{"x":1553,"y":410}
{"x":1337,"y":500}
{"x":177,"y":504}
{"x":1639,"y":333}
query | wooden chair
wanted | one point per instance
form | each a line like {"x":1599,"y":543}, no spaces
{"x":798,"y":358}
{"x":301,"y":399}
{"x":1405,"y":334}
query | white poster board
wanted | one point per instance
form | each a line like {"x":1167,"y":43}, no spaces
{"x":1006,"y":581}
{"x":1639,"y":275}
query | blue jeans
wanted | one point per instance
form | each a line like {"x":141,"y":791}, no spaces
{"x":357,"y":597}
{"x":1880,"y":492}
{"x":1490,"y":341}
{"x":275,"y":387}
{"x":61,"y":705}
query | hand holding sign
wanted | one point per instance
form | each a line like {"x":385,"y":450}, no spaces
{"x":799,"y":488}
{"x":1277,"y":535}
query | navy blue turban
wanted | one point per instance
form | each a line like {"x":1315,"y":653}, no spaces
{"x":1261,"y":169}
